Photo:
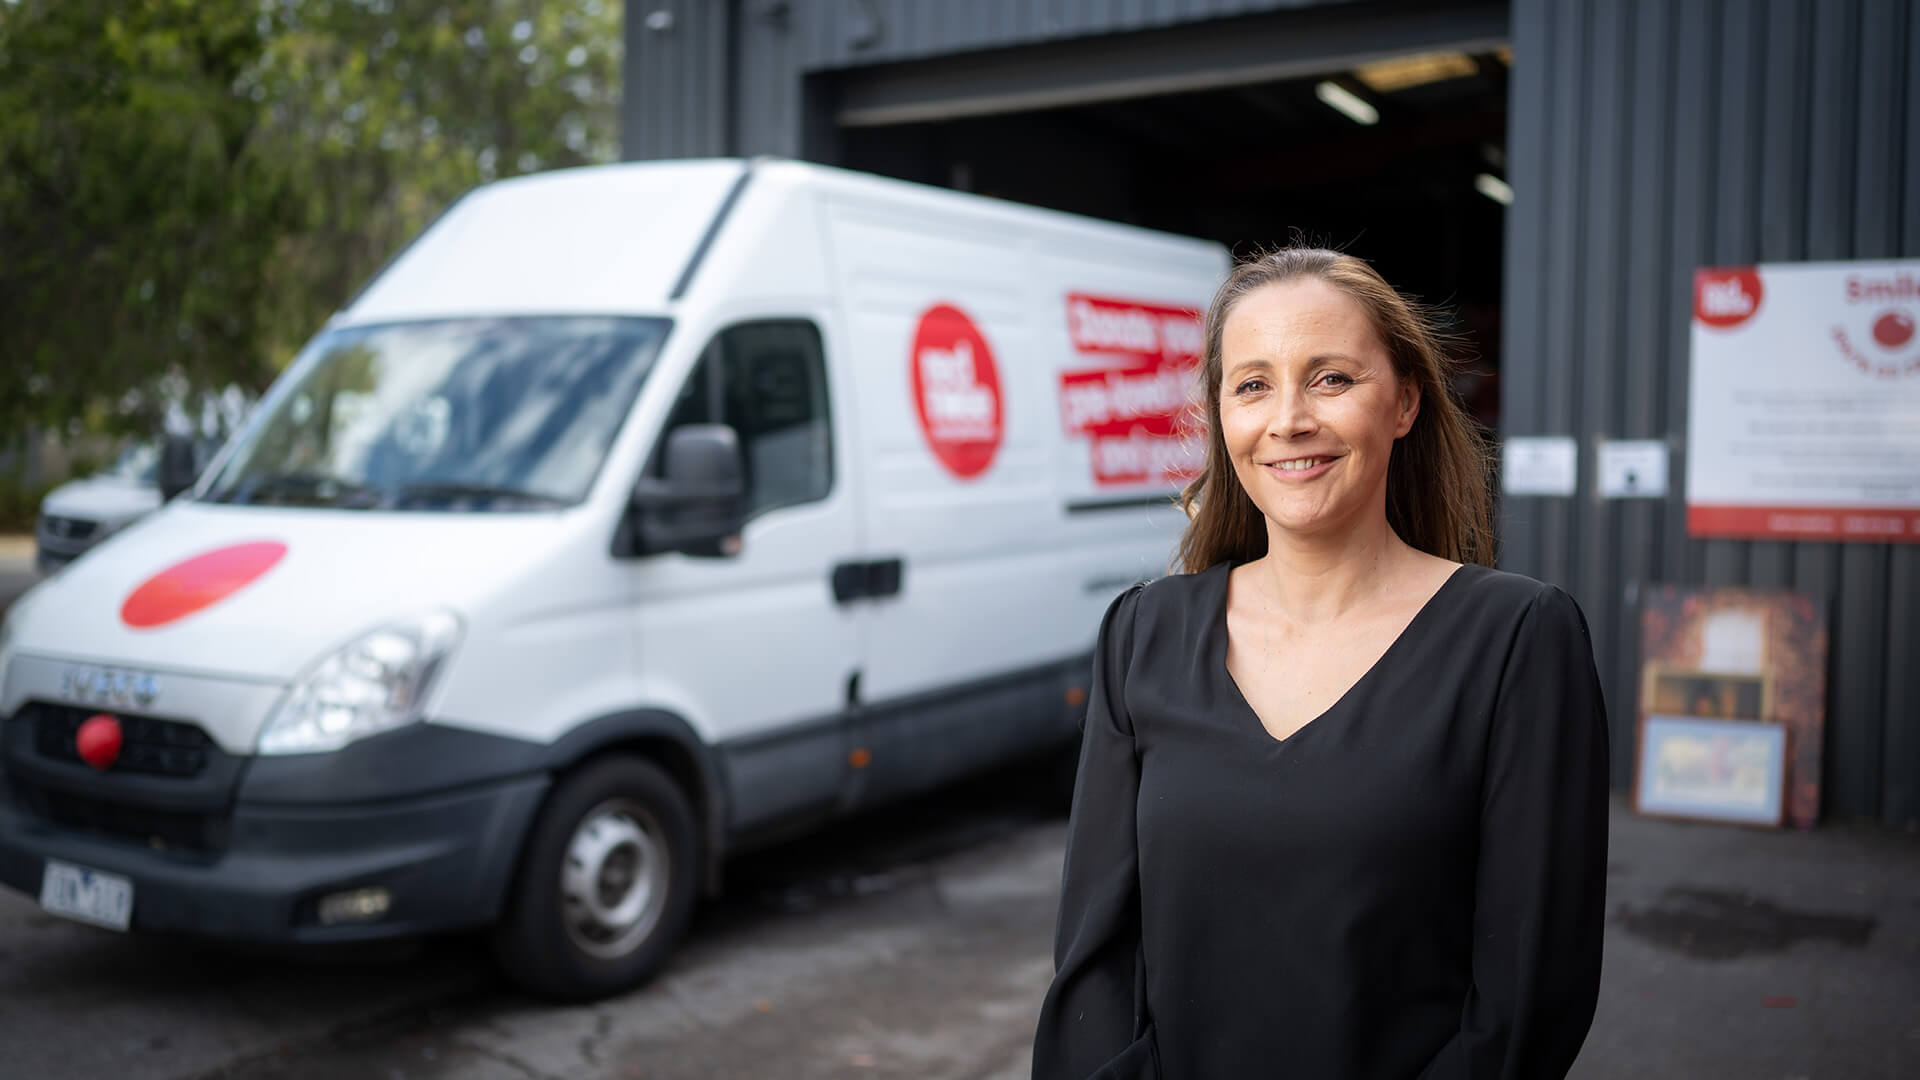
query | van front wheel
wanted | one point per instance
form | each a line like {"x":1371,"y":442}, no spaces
{"x":606,"y":887}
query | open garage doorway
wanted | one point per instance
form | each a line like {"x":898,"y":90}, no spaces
{"x":1400,"y":160}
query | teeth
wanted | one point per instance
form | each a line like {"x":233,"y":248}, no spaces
{"x":1298,"y":464}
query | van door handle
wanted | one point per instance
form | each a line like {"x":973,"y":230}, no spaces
{"x":883,"y":577}
{"x":849,"y":582}
{"x":870,"y":579}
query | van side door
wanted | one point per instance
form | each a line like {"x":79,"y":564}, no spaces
{"x":754,"y":642}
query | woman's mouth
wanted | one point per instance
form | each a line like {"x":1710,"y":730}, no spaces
{"x":1301,"y":468}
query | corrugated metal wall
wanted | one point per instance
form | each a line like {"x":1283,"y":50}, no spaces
{"x":676,"y":97}
{"x":845,"y":33}
{"x":680,"y":102}
{"x":1649,"y":138}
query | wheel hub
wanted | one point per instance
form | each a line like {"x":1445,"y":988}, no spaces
{"x":613,"y":882}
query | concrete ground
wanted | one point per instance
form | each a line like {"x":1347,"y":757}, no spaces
{"x":914,"y":944}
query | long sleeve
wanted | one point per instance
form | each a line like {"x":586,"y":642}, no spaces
{"x":1093,"y":1023}
{"x":1540,"y":884}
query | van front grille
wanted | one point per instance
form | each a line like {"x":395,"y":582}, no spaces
{"x":149,"y":746}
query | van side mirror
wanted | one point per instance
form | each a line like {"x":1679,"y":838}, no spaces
{"x":700,"y":502}
{"x":179,"y":466}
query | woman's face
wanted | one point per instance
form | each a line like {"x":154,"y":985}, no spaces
{"x":1310,"y":406}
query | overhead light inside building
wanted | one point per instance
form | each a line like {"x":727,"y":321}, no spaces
{"x":1401,"y":72}
{"x":1493,"y":188}
{"x":1346,"y":101}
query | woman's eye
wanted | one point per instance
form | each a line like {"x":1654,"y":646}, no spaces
{"x":1334,"y":378}
{"x":1251,"y":386}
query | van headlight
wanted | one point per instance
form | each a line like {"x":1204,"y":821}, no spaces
{"x":376,"y":682}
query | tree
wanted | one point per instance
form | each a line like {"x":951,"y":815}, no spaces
{"x":189,"y":187}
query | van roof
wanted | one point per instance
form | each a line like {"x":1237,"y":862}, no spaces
{"x":618,"y":239}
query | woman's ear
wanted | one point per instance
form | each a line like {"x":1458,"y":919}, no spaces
{"x":1409,"y":406}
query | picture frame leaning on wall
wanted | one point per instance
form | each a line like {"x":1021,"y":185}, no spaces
{"x":1706,"y":769}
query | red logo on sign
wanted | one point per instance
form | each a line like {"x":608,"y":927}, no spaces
{"x":956,"y":391}
{"x":98,"y":741}
{"x":1893,"y":329}
{"x":200,"y":582}
{"x":1726,"y":298}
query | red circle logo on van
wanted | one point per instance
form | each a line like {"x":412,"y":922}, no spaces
{"x":199,"y":582}
{"x":1726,"y":297}
{"x":1893,"y":329}
{"x":956,"y":390}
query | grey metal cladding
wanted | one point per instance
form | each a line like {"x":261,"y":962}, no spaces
{"x":1647,"y":139}
{"x":844,"y":33}
{"x":678,"y":99}
{"x":675,"y":101}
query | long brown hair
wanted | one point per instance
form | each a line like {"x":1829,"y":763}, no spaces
{"x":1439,"y":474}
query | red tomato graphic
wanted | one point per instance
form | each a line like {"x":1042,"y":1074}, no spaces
{"x":1893,"y":329}
{"x":98,"y":741}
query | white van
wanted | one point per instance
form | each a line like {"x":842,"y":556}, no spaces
{"x":632,"y":515}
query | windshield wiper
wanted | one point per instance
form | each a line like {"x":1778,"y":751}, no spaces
{"x":455,"y":492}
{"x":302,"y":489}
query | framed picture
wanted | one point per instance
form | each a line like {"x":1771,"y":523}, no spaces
{"x":1720,"y":695}
{"x":1711,"y":770}
{"x":1741,"y":654}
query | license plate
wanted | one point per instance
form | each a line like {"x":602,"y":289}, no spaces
{"x":91,"y":896}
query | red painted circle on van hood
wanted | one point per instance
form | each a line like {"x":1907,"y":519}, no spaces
{"x":199,"y":582}
{"x":956,"y":391}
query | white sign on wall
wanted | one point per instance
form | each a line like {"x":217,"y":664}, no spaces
{"x":1803,"y":410}
{"x":1539,"y":465}
{"x":1633,"y":469}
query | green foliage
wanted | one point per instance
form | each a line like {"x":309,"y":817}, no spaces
{"x":190,"y":187}
{"x":20,"y":503}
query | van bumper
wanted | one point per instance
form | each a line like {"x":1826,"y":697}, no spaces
{"x":445,"y":859}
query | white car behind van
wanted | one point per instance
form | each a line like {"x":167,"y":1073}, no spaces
{"x":633,"y":515}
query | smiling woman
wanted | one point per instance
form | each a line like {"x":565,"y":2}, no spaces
{"x":1438,"y":475}
{"x":1341,"y":809}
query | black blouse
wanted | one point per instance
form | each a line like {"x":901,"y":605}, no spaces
{"x":1410,"y":886}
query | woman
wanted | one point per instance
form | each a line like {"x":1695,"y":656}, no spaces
{"x":1341,"y":809}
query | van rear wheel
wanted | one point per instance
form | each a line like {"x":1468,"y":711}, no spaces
{"x":606,"y":886}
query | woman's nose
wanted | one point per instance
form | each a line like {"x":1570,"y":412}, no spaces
{"x":1292,"y":415}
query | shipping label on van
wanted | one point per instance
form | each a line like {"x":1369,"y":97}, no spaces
{"x":1131,"y":390}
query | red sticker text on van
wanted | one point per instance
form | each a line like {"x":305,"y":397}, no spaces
{"x":1135,"y":404}
{"x":956,"y":391}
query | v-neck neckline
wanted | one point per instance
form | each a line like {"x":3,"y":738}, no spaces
{"x":1240,"y":697}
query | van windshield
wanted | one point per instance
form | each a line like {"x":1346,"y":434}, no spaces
{"x":467,"y":414}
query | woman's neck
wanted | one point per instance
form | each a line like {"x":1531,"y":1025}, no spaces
{"x":1320,"y":578}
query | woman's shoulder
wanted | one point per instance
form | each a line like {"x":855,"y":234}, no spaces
{"x":1516,"y":599}
{"x":1175,"y":603}
{"x":1488,"y":585}
{"x":1180,"y":594}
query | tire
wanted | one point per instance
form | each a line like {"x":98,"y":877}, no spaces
{"x":606,"y":884}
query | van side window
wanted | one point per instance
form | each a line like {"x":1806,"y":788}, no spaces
{"x":768,"y":381}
